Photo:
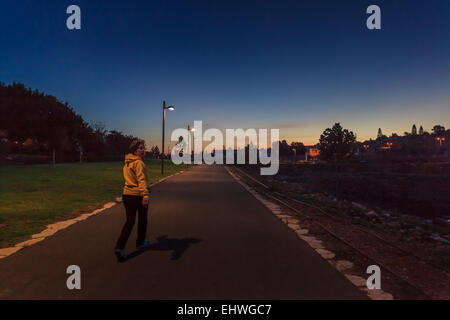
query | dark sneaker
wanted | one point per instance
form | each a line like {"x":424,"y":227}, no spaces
{"x":120,"y":254}
{"x":144,"y":244}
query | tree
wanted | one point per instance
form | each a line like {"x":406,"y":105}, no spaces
{"x":100,"y":129}
{"x":117,"y":143}
{"x":28,"y":115}
{"x":380,"y":133}
{"x":336,"y":143}
{"x":154,"y":151}
{"x":414,"y":130}
{"x":285,"y":150}
{"x":421,"y":130}
{"x":299,"y":147}
{"x":37,"y":123}
{"x":438,"y":129}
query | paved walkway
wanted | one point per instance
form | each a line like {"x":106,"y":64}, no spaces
{"x":211,"y":240}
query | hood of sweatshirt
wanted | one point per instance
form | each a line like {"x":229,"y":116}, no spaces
{"x":129,"y":158}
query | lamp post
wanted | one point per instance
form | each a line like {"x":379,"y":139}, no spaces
{"x":190,"y":130}
{"x":163,"y":129}
{"x":440,"y":139}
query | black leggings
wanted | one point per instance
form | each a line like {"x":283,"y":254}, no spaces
{"x":133,"y":204}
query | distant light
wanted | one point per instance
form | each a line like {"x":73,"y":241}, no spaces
{"x":192,"y":129}
{"x":440,"y":139}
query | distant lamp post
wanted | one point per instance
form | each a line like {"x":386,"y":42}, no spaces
{"x":163,"y":132}
{"x":440,"y":139}
{"x":190,"y":130}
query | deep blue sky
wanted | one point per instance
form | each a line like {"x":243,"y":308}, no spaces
{"x":295,"y":65}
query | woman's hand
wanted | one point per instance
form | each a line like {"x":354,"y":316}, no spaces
{"x":145,"y":201}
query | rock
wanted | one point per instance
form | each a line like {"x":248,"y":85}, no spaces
{"x":376,"y":294}
{"x":325,"y":253}
{"x":291,"y":221}
{"x":308,"y":238}
{"x":342,"y":265}
{"x":294,"y":226}
{"x":359,"y":206}
{"x":283,"y":216}
{"x":357,"y":281}
{"x":316,"y":245}
{"x":371,"y":214}
{"x":302,"y":232}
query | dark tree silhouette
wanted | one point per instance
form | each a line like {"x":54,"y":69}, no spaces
{"x":299,"y":147}
{"x":336,"y":143}
{"x":380,"y":133}
{"x":438,"y":129}
{"x":31,"y":121}
{"x":154,"y":152}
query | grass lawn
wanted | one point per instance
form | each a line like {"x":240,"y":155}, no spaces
{"x":32,"y":196}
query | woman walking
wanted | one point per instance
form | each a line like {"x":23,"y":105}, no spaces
{"x":135,"y":198}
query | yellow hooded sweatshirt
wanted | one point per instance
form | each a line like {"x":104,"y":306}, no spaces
{"x":135,"y":174}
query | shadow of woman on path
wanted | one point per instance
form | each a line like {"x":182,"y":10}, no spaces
{"x":179,"y":246}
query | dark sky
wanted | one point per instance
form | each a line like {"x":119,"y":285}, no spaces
{"x":295,"y":65}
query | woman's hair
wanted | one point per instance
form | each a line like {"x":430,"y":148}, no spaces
{"x":135,"y":145}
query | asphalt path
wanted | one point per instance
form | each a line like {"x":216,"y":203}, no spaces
{"x":211,"y":239}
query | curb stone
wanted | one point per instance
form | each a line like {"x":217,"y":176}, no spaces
{"x":379,"y":294}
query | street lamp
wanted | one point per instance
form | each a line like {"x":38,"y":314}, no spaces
{"x":440,"y":139}
{"x":163,"y":129}
{"x":190,"y":130}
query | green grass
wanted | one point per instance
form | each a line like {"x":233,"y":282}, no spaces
{"x":32,"y":196}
